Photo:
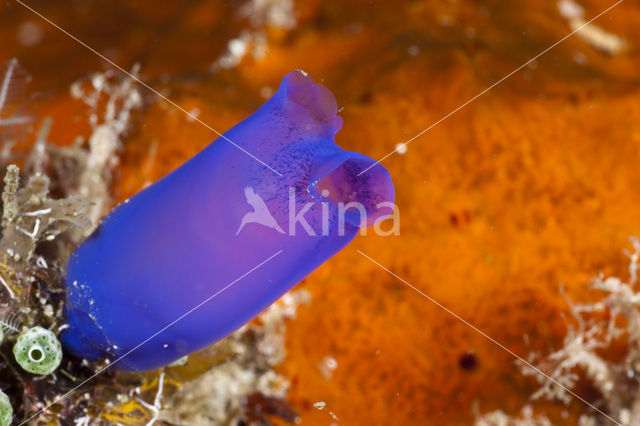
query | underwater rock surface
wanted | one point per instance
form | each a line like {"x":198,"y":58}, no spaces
{"x":193,"y":257}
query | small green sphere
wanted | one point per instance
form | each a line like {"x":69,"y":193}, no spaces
{"x":38,"y":351}
{"x":6,"y":410}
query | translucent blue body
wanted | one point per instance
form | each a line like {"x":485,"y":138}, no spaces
{"x":192,"y":234}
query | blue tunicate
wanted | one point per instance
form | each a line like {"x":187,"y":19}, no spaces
{"x":203,"y":229}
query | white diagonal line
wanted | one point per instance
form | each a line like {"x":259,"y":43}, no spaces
{"x":500,"y":345}
{"x":493,"y":85}
{"x":61,"y":397}
{"x":154,"y":91}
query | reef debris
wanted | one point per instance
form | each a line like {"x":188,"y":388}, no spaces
{"x":592,"y":34}
{"x":49,"y":208}
{"x":601,"y":347}
{"x":246,"y":386}
{"x":261,"y":14}
{"x":46,"y":212}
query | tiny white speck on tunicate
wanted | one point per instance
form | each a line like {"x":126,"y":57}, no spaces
{"x":445,"y":20}
{"x":579,"y":58}
{"x":41,"y":262}
{"x":193,"y":114}
{"x":29,"y":33}
{"x":266,"y":92}
{"x":237,"y":47}
{"x":327,"y":366}
{"x":179,"y":362}
{"x":570,"y":9}
{"x":320,"y":405}
{"x":331,"y":363}
{"x":401,"y":148}
{"x":98,"y":80}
